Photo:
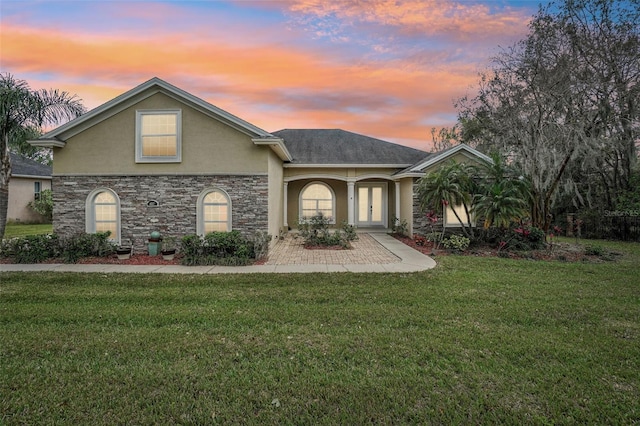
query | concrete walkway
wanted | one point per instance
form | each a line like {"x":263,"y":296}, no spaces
{"x":391,"y":255}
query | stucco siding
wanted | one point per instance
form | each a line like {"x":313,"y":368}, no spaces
{"x":276,"y":197}
{"x":21,"y":193}
{"x":208,"y":146}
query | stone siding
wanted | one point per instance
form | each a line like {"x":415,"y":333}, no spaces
{"x":422,"y":225}
{"x":177,"y":197}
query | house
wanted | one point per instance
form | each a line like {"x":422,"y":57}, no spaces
{"x":28,"y":179}
{"x":159,"y":158}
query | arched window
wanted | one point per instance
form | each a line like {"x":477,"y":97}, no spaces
{"x":317,"y":198}
{"x":214,"y":212}
{"x":103,"y":213}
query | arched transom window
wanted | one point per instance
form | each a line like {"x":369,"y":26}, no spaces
{"x":214,"y":212}
{"x":316,"y":199}
{"x":103,"y":213}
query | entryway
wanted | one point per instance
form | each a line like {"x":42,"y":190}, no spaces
{"x":371,"y":202}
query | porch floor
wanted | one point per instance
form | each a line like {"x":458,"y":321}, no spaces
{"x":366,"y":251}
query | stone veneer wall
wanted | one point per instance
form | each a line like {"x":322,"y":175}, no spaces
{"x":177,"y":197}
{"x":422,"y":225}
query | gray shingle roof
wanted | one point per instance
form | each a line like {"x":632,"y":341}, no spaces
{"x":335,"y":146}
{"x":26,"y":167}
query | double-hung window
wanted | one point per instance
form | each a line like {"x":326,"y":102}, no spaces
{"x":158,"y":136}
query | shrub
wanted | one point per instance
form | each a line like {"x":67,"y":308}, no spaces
{"x":31,"y":248}
{"x":44,"y":204}
{"x":594,"y":250}
{"x":86,"y":245}
{"x":399,"y":227}
{"x":224,"y":248}
{"x":524,"y":238}
{"x":456,"y":242}
{"x":315,"y":232}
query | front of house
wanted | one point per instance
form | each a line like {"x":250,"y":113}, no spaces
{"x":157,"y":158}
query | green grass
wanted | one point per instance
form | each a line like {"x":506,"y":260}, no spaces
{"x":20,"y":230}
{"x":476,"y":340}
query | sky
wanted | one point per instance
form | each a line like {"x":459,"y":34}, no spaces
{"x":389,"y":69}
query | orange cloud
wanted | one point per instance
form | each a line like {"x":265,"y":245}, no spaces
{"x":269,"y":84}
{"x":454,"y":19}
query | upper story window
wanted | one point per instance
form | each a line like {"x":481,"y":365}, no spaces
{"x":159,"y":136}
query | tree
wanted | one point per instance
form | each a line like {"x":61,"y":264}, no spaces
{"x":19,"y":145}
{"x":450,"y":185}
{"x":22,"y":108}
{"x":563,"y":100}
{"x":503,"y":196}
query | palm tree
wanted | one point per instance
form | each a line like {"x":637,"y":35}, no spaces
{"x":451,"y":185}
{"x":22,"y":108}
{"x":503,"y":198}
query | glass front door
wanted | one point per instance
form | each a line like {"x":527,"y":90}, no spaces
{"x":371,"y":204}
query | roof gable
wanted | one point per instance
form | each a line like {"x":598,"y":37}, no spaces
{"x":143,"y":91}
{"x":420,"y":167}
{"x":318,"y":147}
{"x":25,"y":167}
{"x":58,"y":136}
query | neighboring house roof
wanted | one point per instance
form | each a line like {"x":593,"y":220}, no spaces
{"x":335,"y":147}
{"x":25,"y":167}
{"x":57,"y":137}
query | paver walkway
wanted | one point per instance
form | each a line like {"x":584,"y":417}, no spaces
{"x":391,"y":256}
{"x":365,"y":251}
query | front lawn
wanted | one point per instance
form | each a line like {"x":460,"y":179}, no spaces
{"x":22,"y":230}
{"x":476,"y":340}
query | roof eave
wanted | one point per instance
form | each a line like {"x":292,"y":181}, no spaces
{"x":443,"y":155}
{"x":31,"y":176}
{"x":277,"y":145}
{"x":350,"y":165}
{"x":47,"y":143}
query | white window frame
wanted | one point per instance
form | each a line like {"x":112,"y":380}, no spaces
{"x":37,"y":190}
{"x":332,"y":220}
{"x":200,"y":209}
{"x":159,"y":159}
{"x":90,"y":219}
{"x":451,"y":221}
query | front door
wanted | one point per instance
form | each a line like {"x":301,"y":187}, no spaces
{"x":372,"y":204}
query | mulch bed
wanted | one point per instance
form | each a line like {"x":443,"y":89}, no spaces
{"x":558,"y":251}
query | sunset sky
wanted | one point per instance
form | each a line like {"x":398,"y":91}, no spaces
{"x":385,"y":68}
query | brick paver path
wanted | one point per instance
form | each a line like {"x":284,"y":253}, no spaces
{"x":365,"y":251}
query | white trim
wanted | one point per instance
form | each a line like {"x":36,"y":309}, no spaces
{"x":339,"y":177}
{"x":47,"y":143}
{"x":315,"y":176}
{"x":343,"y":166}
{"x":333,"y":199}
{"x":31,"y":177}
{"x":351,"y":202}
{"x":90,"y":221}
{"x":277,"y":145}
{"x":140,"y":158}
{"x":159,"y":174}
{"x":200,"y":209}
{"x":468,"y":151}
